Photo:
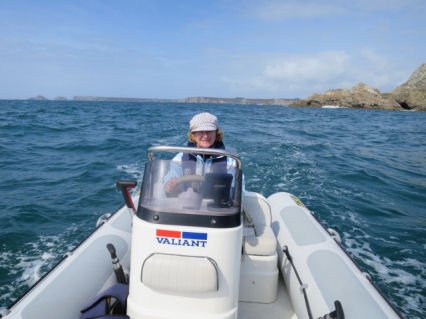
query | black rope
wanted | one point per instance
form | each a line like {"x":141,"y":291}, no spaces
{"x":305,"y":296}
{"x":338,"y":313}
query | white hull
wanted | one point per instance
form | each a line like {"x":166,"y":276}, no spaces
{"x":321,"y":263}
{"x":333,"y":107}
{"x":326,"y":270}
{"x":80,"y":276}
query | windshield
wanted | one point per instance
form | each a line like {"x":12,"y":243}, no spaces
{"x":207,"y":186}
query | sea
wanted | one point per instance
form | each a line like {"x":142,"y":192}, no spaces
{"x":362,"y":173}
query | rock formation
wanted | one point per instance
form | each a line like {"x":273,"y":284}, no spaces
{"x":38,"y":98}
{"x":412,"y":94}
{"x":119,"y":99}
{"x":196,"y":99}
{"x":237,"y":100}
{"x":360,"y":96}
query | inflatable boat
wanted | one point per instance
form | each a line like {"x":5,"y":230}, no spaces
{"x":209,"y":250}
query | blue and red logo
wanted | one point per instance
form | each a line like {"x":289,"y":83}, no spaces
{"x":181,"y":238}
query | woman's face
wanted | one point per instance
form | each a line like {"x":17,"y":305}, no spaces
{"x":205,"y":138}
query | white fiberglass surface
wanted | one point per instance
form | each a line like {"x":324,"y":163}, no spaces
{"x":337,"y":282}
{"x":301,"y":227}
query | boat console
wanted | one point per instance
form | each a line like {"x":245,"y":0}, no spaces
{"x":186,"y":246}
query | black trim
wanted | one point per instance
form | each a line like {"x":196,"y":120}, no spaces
{"x":338,"y":313}
{"x":158,"y":217}
{"x":303,"y":288}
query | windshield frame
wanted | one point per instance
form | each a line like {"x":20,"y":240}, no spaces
{"x":201,"y":151}
{"x":213,"y":218}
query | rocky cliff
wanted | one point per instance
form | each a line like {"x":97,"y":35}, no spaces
{"x":119,"y":99}
{"x":38,"y":98}
{"x":360,"y":96}
{"x":196,"y":99}
{"x":410,"y":95}
{"x":238,"y":100}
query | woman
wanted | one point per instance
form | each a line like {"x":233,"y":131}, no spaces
{"x":204,"y":132}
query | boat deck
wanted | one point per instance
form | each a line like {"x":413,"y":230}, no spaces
{"x":280,"y":309}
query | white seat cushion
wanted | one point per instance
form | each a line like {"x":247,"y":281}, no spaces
{"x":182,"y":274}
{"x":257,"y":208}
{"x":263,"y":243}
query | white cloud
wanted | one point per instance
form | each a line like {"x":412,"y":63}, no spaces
{"x":273,"y":10}
{"x":279,"y":10}
{"x":372,"y":57}
{"x":384,"y":5}
{"x":378,"y":71}
{"x":302,"y":75}
{"x":320,"y":67}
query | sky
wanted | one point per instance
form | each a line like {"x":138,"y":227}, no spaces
{"x":177,"y":48}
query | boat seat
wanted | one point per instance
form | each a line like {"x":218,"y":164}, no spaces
{"x":259,"y":270}
{"x":261,"y":240}
{"x":257,"y":209}
{"x":261,"y":243}
{"x":180,"y":274}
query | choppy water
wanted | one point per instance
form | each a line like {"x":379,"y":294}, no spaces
{"x":363,"y":172}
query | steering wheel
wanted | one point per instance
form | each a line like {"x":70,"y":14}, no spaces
{"x":193,"y":179}
{"x":189,"y":178}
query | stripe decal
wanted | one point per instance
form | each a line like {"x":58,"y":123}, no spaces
{"x":179,"y":234}
{"x":168,"y":233}
{"x":189,"y":235}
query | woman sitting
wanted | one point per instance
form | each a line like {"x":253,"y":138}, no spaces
{"x":204,"y":132}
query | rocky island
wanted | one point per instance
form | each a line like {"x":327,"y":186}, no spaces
{"x":238,"y":100}
{"x":38,"y":98}
{"x":412,"y":94}
{"x":409,"y":96}
{"x":196,"y":99}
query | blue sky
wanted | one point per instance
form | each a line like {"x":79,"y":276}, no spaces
{"x":223,"y":48}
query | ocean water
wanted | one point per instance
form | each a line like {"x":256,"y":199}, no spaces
{"x":362,"y":172}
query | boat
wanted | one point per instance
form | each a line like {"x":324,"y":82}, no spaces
{"x":333,"y":107}
{"x":214,"y":250}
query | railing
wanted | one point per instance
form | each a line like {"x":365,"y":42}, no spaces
{"x":192,"y":150}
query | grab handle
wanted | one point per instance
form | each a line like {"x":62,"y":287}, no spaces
{"x":124,"y":186}
{"x":193,"y":150}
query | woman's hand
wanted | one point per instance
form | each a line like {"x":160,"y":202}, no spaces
{"x":170,"y":186}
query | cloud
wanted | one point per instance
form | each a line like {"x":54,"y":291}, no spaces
{"x":302,"y":75}
{"x":279,"y":10}
{"x":320,"y":67}
{"x":275,"y":10}
{"x":384,"y":5}
{"x":288,"y":75}
{"x":378,"y":71}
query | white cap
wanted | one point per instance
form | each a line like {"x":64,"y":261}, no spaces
{"x":203,"y":122}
